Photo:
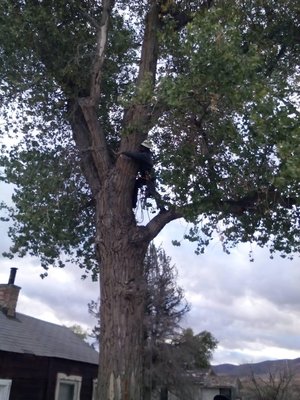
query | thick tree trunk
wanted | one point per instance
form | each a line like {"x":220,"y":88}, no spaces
{"x":121,"y":339}
{"x":122,"y":293}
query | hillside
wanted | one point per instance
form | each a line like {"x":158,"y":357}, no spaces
{"x":260,"y":368}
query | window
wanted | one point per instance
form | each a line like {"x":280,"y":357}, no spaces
{"x":5,"y":385}
{"x":95,"y":382}
{"x":67,"y":387}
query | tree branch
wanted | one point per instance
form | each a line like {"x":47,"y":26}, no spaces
{"x":182,"y":17}
{"x":102,"y":36}
{"x":159,"y":222}
{"x":258,"y":200}
{"x":98,"y":145}
{"x":82,"y":138}
{"x":138,"y":115}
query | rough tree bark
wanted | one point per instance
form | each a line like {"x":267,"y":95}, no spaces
{"x":122,"y":291}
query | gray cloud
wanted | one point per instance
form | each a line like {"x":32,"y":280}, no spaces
{"x":252,"y":308}
{"x":62,"y":297}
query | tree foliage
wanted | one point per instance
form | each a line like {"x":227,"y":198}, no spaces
{"x":195,"y":350}
{"x":176,"y":360}
{"x":79,"y":331}
{"x":169,"y":350}
{"x":223,"y":115}
{"x":165,"y":306}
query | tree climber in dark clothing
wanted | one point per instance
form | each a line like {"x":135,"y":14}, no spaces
{"x":143,"y":157}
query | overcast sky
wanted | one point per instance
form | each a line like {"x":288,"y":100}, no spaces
{"x":252,"y":308}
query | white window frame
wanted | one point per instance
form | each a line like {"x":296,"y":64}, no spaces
{"x":94,"y":395}
{"x":70,"y":380}
{"x":6,"y":383}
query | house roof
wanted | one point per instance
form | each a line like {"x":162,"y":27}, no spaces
{"x":209,"y":379}
{"x":25,"y":334}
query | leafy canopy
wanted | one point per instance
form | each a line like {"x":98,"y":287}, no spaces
{"x":224,"y":117}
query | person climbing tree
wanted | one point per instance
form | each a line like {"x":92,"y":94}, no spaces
{"x":146,"y":176}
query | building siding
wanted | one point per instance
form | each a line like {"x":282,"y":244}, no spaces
{"x":34,"y":377}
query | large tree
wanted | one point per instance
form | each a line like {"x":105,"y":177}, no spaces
{"x":213,"y":84}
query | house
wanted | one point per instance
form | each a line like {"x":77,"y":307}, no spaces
{"x":40,"y":360}
{"x":206,"y":385}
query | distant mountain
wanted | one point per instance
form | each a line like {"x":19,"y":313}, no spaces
{"x":257,"y":368}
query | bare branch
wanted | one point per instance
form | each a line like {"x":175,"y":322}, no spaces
{"x":102,"y":36}
{"x":159,"y":222}
{"x":82,"y":138}
{"x":255,"y":201}
{"x":98,"y":145}
{"x":138,"y":115}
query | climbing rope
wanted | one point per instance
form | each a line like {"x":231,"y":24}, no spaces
{"x":142,"y":205}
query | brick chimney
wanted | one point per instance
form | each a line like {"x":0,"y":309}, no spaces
{"x":9,"y":295}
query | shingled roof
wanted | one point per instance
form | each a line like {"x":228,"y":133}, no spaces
{"x":209,"y":379}
{"x":25,"y":334}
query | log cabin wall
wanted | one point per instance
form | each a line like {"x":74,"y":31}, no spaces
{"x":34,"y":377}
